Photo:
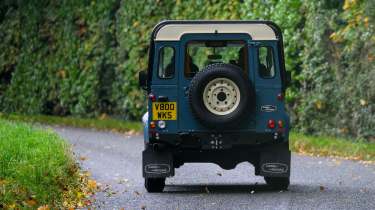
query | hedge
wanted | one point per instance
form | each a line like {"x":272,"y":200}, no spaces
{"x":81,"y":58}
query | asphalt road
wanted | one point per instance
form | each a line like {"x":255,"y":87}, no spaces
{"x":114,"y":160}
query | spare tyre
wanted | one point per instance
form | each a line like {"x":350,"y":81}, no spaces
{"x":221,"y":95}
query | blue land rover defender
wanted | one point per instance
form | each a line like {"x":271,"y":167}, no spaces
{"x":216,"y":95}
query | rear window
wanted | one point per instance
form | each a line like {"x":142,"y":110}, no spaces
{"x":266,"y":66}
{"x":202,"y":53}
{"x":166,"y":67}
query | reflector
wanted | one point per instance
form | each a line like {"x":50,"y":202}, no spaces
{"x":152,"y":97}
{"x":271,"y":124}
{"x":280,"y":123}
{"x":152,"y":124}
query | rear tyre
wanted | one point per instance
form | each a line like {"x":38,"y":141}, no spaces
{"x":278,"y":183}
{"x":154,"y":185}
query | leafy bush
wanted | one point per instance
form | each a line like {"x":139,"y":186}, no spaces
{"x":82,"y":57}
{"x":338,"y":91}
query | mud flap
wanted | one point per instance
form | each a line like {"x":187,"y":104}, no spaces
{"x":275,"y":162}
{"x":157,"y":164}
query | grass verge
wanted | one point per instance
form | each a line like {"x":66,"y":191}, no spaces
{"x":305,"y":144}
{"x":102,"y":123}
{"x":37,"y":169}
{"x":331,"y":146}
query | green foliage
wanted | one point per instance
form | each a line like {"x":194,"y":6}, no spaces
{"x":134,"y":24}
{"x":82,"y":57}
{"x":63,"y":57}
{"x":338,"y":89}
{"x":35,"y":167}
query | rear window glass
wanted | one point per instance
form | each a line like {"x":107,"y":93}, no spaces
{"x":202,"y":53}
{"x":266,"y":66}
{"x":166,"y":67}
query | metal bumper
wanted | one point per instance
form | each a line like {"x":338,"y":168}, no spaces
{"x":227,"y":140}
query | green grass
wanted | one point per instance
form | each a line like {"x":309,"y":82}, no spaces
{"x":331,"y":146}
{"x":36,"y":167}
{"x":103,"y":123}
{"x":316,"y":145}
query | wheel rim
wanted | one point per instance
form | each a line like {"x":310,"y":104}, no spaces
{"x":221,"y":96}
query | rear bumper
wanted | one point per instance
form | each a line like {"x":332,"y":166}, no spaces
{"x":217,"y":141}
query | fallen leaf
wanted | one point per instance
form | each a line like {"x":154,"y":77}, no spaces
{"x":12,"y":206}
{"x":31,"y":202}
{"x":87,"y":203}
{"x":80,"y":204}
{"x":337,"y":162}
{"x":79,"y":195}
{"x":82,"y":158}
{"x":137,"y":193}
{"x":321,"y":188}
{"x":45,"y":207}
{"x":219,"y":174}
{"x":131,"y":132}
{"x":92,"y":184}
{"x":3,"y":182}
{"x":99,"y":185}
{"x":86,"y":174}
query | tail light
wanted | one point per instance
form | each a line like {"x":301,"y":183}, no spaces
{"x":280,"y":97}
{"x":280,"y":124}
{"x":152,"y":97}
{"x":152,"y":124}
{"x":271,"y":124}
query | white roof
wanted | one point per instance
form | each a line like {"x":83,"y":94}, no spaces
{"x":173,"y":32}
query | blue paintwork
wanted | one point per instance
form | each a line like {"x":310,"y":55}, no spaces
{"x":145,"y":132}
{"x":175,"y":89}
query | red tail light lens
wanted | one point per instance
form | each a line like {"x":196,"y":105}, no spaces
{"x":280,"y":123}
{"x":271,"y":124}
{"x":280,"y":97}
{"x":152,"y":97}
{"x":152,"y":124}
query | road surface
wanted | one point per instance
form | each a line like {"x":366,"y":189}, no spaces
{"x":114,"y":160}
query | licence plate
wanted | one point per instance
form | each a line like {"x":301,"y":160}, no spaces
{"x":164,"y":111}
